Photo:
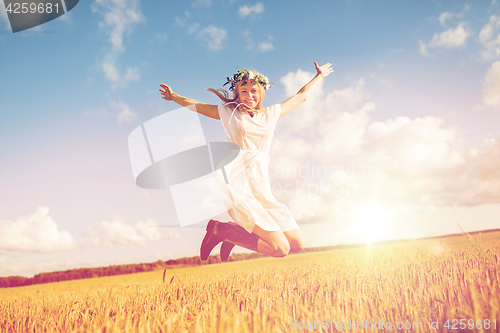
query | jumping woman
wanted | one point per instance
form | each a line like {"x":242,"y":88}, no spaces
{"x":262,"y":224}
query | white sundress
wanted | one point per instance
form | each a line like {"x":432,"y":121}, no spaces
{"x":246,"y":187}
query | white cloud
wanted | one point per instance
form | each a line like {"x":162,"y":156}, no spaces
{"x":119,"y":18}
{"x":444,"y":17}
{"x":116,"y":108}
{"x":112,"y":73}
{"x":465,"y":10}
{"x":245,"y":11}
{"x":261,"y":46}
{"x":148,"y":229}
{"x":489,"y":38}
{"x":132,"y":74}
{"x":293,"y":81}
{"x":34,"y":233}
{"x":182,"y":22}
{"x":125,"y":113}
{"x":306,"y":206}
{"x":451,"y":38}
{"x":492,"y":85}
{"x":487,"y":31}
{"x":338,"y":157}
{"x":213,"y":37}
{"x":423,"y":48}
{"x":111,"y":233}
{"x":191,"y":27}
{"x":266,"y":46}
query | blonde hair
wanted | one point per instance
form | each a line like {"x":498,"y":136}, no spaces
{"x":223,"y":94}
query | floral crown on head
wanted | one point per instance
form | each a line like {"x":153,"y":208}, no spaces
{"x":245,"y":74}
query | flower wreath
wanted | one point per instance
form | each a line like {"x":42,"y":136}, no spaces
{"x":245,"y":74}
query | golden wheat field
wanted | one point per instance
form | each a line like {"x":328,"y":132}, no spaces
{"x":434,"y":285}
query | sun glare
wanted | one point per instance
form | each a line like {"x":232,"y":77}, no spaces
{"x":372,"y":223}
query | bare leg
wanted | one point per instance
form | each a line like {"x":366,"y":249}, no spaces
{"x":294,"y":237}
{"x":273,"y":243}
{"x":296,"y":240}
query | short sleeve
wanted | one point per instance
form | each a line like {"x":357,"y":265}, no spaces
{"x":275,"y":112}
{"x":224,"y":112}
{"x":221,"y":110}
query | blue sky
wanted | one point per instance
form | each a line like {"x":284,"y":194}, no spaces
{"x":415,"y":99}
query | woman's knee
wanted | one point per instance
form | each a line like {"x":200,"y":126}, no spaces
{"x":276,"y":240}
{"x":281,"y":249}
{"x":296,"y":240}
{"x":297,"y":246}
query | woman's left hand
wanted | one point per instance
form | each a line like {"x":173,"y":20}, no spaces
{"x":324,"y":70}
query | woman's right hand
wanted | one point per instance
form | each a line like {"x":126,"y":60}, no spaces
{"x":167,"y":93}
{"x":208,"y":110}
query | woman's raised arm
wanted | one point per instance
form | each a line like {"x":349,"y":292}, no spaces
{"x":208,"y":110}
{"x":305,"y":91}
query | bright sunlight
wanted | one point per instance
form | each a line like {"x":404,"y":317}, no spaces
{"x":372,"y":222}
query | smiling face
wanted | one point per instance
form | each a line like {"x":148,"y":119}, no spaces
{"x":250,"y":94}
